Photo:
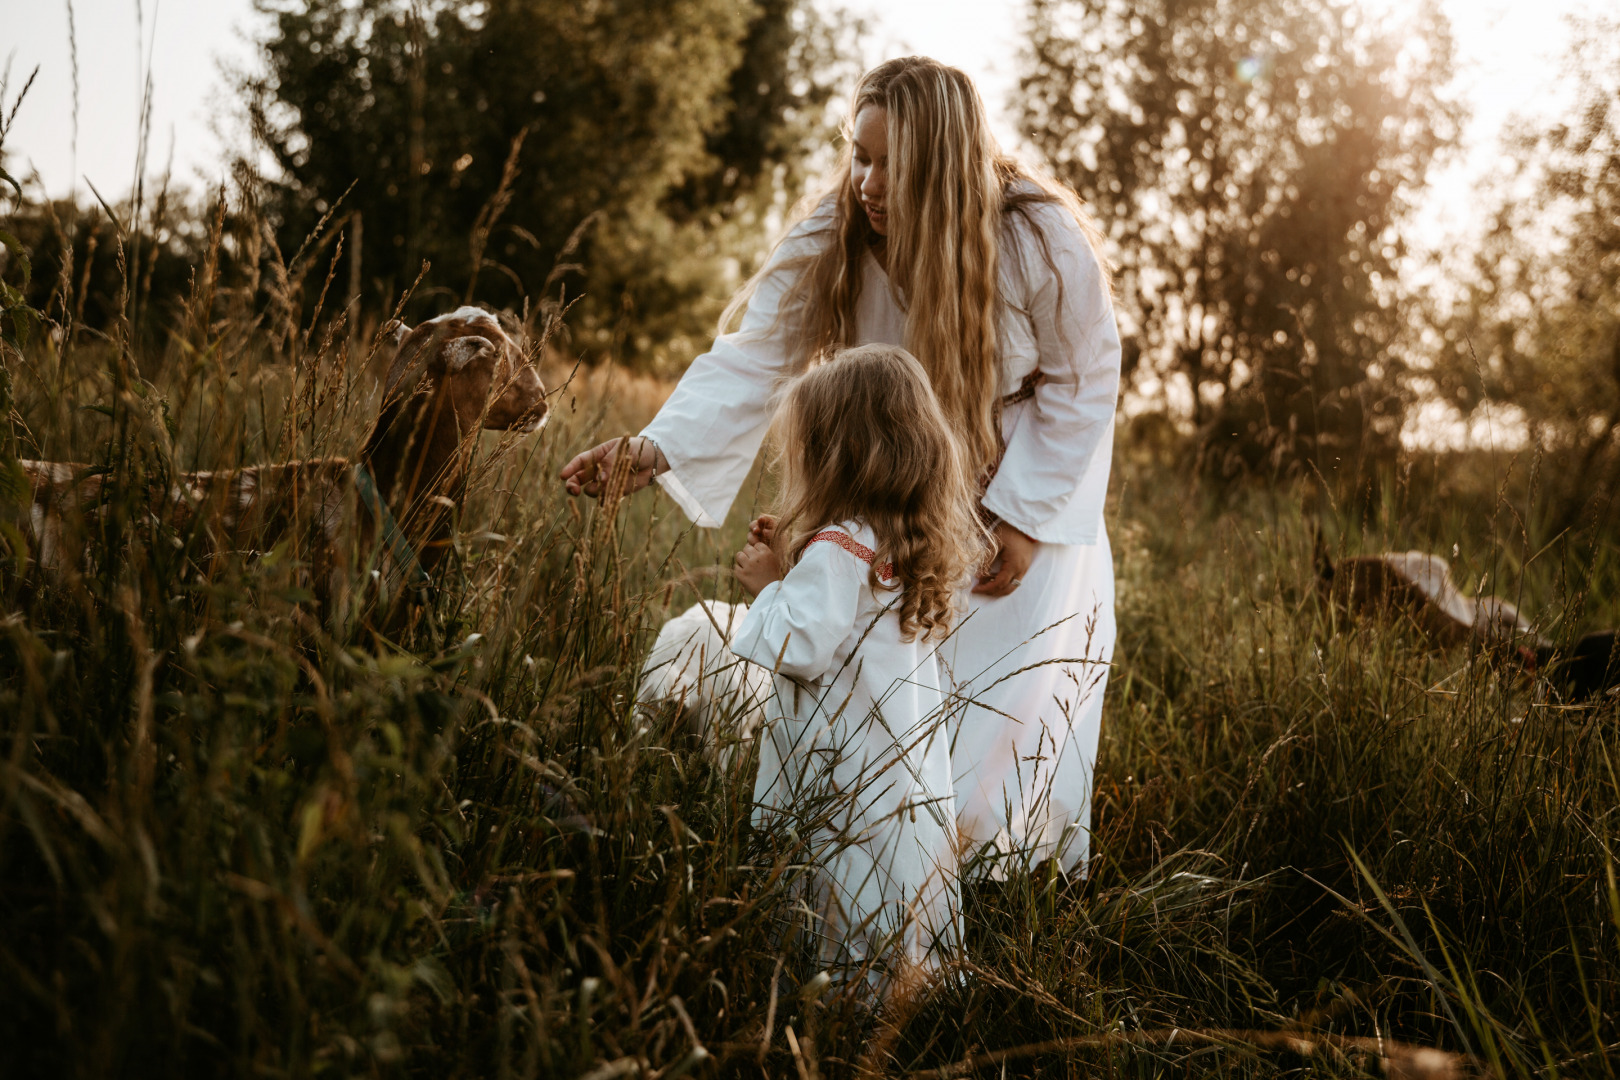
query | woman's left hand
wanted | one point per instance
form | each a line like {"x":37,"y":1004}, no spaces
{"x":1017,"y":551}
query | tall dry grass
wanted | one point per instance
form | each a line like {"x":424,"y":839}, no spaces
{"x":238,"y":839}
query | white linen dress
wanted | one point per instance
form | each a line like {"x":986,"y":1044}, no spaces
{"x":1034,"y":663}
{"x":855,"y":757}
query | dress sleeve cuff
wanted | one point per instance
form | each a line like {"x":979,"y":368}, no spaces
{"x":999,"y":513}
{"x":745,"y":639}
{"x":670,"y":481}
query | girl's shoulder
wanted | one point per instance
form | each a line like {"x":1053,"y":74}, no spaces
{"x":855,"y":539}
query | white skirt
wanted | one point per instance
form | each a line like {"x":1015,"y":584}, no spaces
{"x":1033,"y":667}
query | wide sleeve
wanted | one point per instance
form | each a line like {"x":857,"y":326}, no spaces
{"x":794,"y":626}
{"x":711,"y":428}
{"x":1064,"y":436}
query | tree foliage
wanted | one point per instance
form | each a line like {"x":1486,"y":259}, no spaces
{"x":1251,"y":161}
{"x":1538,"y":326}
{"x":481,"y":136}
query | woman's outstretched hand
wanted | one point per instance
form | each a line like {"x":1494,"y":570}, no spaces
{"x":1017,"y":551}
{"x":588,"y":471}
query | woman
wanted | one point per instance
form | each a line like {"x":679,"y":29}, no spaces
{"x":929,"y":237}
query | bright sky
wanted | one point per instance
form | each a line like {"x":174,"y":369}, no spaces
{"x":1508,"y":51}
{"x":186,"y":40}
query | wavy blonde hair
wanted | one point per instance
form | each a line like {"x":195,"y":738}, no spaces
{"x":862,"y":438}
{"x":950,"y":188}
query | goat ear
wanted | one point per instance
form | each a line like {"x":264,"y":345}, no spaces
{"x":405,"y":358}
{"x":461,"y":351}
{"x":389,"y":358}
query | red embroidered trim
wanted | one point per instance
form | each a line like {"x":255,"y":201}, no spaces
{"x":854,"y":547}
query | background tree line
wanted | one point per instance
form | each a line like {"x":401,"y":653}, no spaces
{"x":1254,"y":164}
{"x":636,"y":146}
{"x":1536,"y":325}
{"x":481,"y":137}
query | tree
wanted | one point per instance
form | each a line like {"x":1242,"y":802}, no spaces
{"x":1537,"y":327}
{"x":481,"y":136}
{"x":1251,"y":161}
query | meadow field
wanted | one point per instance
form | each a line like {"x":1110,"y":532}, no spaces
{"x":238,"y":838}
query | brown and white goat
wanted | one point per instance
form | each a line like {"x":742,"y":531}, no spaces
{"x":1416,"y":588}
{"x":391,"y":505}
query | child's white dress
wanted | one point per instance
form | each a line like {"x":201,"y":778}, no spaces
{"x":855,"y":756}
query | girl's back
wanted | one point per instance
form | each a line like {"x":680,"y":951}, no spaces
{"x":878,"y":533}
{"x":855,"y":756}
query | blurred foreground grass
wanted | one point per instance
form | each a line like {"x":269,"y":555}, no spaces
{"x":234,"y":841}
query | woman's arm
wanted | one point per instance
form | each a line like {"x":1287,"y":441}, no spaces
{"x":704,"y":440}
{"x":795,"y":625}
{"x":1065,"y":430}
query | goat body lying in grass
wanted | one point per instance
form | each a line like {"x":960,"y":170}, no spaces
{"x":448,"y":379}
{"x":1417,"y":587}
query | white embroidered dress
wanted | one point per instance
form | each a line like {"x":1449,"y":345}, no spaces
{"x":855,"y":756}
{"x":1034,"y":662}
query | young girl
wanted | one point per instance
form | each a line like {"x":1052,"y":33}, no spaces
{"x":877,"y":535}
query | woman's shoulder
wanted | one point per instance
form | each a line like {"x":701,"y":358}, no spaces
{"x":1034,"y":214}
{"x":804,"y":239}
{"x":1042,"y":233}
{"x":816,"y":225}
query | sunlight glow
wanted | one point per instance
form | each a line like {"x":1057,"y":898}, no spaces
{"x":1251,"y":68}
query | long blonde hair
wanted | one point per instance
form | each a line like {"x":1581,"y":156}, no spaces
{"x":862,"y":438}
{"x":949,"y":189}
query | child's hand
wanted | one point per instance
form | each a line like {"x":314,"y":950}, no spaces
{"x":757,"y":567}
{"x":762,"y":530}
